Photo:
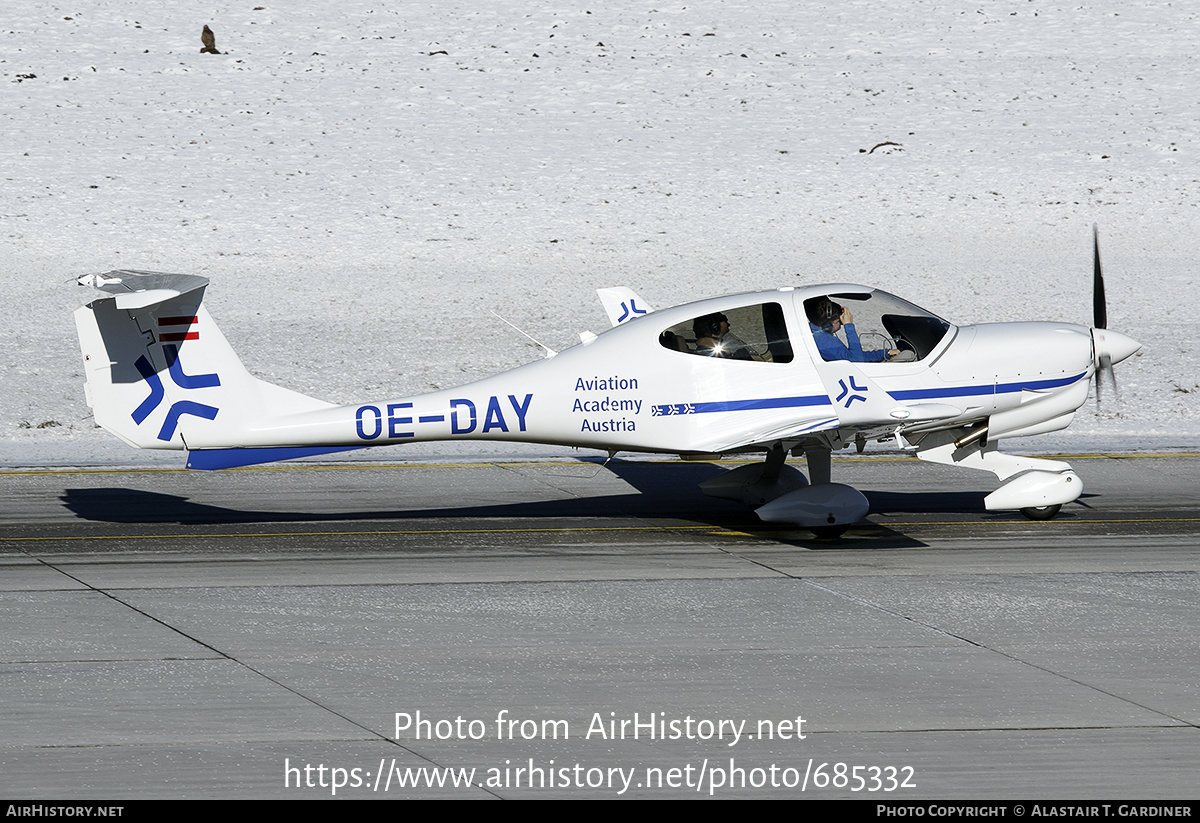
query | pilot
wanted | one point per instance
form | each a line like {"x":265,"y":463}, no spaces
{"x":826,"y":318}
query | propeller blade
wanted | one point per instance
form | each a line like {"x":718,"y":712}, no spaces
{"x":1099,"y":304}
{"x":1106,"y":379}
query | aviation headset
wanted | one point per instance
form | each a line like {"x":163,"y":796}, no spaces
{"x":709,"y":325}
{"x":822,"y":312}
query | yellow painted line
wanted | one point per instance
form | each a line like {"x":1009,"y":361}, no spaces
{"x":1048,"y":523}
{"x":1117,"y":455}
{"x":300,"y":467}
{"x":567,"y":530}
{"x":355,"y":533}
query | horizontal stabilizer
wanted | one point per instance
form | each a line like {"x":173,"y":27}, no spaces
{"x":141,"y":289}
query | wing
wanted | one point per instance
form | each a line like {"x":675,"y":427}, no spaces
{"x":861,"y":404}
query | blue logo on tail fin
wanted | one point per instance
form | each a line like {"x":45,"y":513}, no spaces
{"x":630,"y":309}
{"x":157,"y":393}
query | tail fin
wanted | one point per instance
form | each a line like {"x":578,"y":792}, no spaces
{"x":160,"y":375}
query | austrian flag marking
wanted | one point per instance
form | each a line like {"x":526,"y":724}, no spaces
{"x":177,"y":329}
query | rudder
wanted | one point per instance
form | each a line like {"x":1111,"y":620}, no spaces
{"x":160,"y":375}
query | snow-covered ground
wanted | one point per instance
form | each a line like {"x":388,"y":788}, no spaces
{"x":365,"y":182}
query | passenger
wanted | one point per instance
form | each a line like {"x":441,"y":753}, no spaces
{"x":713,"y":337}
{"x":826,"y":318}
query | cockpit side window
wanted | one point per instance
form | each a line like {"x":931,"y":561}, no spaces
{"x":751,"y":333}
{"x":872,"y":327}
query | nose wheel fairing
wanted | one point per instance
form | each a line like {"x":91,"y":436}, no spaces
{"x":1031,"y":483}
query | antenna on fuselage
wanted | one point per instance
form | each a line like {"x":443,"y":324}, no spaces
{"x":549,"y":351}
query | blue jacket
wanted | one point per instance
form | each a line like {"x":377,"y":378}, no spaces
{"x":831,"y":348}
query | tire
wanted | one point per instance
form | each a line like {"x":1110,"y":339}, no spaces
{"x":1041,"y":512}
{"x":829,"y":532}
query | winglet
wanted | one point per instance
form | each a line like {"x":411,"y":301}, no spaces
{"x":622,"y":304}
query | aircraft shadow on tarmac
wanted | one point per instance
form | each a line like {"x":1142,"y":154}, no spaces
{"x":664,"y":490}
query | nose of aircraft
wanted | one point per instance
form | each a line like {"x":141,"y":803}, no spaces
{"x":1113,"y":345}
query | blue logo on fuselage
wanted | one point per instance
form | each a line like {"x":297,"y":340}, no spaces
{"x":846,"y":390}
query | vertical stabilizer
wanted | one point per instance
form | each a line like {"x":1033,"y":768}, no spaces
{"x":160,"y":375}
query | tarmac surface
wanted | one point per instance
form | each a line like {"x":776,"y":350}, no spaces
{"x":597,"y":632}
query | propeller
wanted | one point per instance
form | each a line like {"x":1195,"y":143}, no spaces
{"x":1108,"y":346}
{"x":1099,"y":305}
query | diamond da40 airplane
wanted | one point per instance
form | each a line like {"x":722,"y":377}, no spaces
{"x":801,"y":371}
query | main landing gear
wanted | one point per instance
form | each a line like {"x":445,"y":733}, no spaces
{"x":781,"y":494}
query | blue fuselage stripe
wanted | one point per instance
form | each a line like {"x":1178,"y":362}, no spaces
{"x":760,"y":403}
{"x":989,"y":388}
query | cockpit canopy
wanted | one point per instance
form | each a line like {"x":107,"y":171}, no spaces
{"x":881,"y":328}
{"x":879,"y":323}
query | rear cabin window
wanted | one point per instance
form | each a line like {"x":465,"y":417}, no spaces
{"x":750,"y":333}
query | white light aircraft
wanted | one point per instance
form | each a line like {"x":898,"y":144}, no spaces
{"x":801,"y":371}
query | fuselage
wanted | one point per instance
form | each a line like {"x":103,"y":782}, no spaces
{"x":646,"y":386}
